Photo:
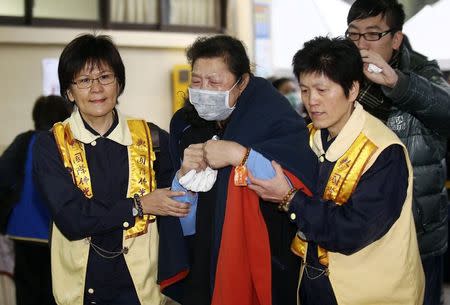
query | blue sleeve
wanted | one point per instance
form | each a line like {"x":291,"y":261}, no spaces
{"x":260,"y":166}
{"x":188,"y":222}
{"x":370,"y":212}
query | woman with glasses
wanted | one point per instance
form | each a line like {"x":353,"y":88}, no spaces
{"x":99,"y":171}
{"x":235,"y":123}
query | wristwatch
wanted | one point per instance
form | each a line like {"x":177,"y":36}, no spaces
{"x":135,"y":211}
{"x":137,"y":207}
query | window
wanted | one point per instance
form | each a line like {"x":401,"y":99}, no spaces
{"x":192,"y":12}
{"x":12,"y":8}
{"x":66,"y":9}
{"x":12,"y":12}
{"x":164,"y":15}
{"x":138,"y":12}
{"x":63,"y":13}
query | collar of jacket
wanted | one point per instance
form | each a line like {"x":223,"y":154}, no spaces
{"x":344,"y":139}
{"x":121,"y":134}
{"x":405,"y":57}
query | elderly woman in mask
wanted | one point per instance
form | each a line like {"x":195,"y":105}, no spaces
{"x":235,"y":122}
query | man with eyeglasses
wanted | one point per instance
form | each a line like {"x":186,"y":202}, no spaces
{"x":410,"y":95}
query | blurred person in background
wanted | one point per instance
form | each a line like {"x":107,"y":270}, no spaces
{"x":28,"y":221}
{"x":7,"y":287}
{"x":289,"y":89}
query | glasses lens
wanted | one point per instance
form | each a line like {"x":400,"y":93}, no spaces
{"x":352,"y":36}
{"x":372,"y":36}
{"x":83,"y":83}
{"x":106,"y":79}
{"x":86,"y":82}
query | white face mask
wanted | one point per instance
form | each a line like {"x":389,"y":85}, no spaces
{"x":294,"y":99}
{"x":211,"y":105}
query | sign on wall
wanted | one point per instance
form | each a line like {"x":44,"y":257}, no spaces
{"x":263,"y":43}
{"x":50,"y":82}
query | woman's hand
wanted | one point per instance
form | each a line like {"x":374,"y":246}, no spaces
{"x":272,"y":190}
{"x":221,"y":153}
{"x":160,"y":202}
{"x":193,"y":158}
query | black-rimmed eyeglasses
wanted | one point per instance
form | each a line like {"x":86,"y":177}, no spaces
{"x":369,"y":36}
{"x":86,"y":82}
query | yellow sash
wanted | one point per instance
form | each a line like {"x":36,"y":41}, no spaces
{"x":141,"y":174}
{"x":342,"y":182}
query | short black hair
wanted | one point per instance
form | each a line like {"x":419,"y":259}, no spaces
{"x":391,"y":9}
{"x":336,"y":58}
{"x":48,"y":110}
{"x":278,"y":82}
{"x":232,"y":51}
{"x":89,"y":49}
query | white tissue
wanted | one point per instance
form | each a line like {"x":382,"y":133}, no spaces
{"x":202,"y":181}
{"x":199,"y":182}
{"x":374,"y":69}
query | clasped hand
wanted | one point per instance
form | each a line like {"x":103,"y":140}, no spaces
{"x":220,"y":153}
{"x":272,"y":190}
{"x":213,"y":153}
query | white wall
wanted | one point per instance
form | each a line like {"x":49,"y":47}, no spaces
{"x":148,"y":62}
{"x":425,"y":32}
{"x":296,"y":21}
{"x":148,"y":58}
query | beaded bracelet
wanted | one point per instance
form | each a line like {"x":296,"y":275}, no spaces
{"x":240,"y":171}
{"x":138,"y":205}
{"x":244,"y":160}
{"x":284,"y":204}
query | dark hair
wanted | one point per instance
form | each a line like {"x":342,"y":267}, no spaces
{"x":93,"y":50}
{"x":48,"y":110}
{"x":278,"y":82}
{"x":337,"y":58}
{"x":229,"y":48}
{"x":391,"y":9}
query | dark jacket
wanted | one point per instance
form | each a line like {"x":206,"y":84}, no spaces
{"x":109,"y":172}
{"x":264,"y":121}
{"x":420,"y":116}
{"x":12,"y":172}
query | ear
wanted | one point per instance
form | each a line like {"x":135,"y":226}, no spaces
{"x":397,"y":40}
{"x":244,"y":82}
{"x":70,"y":96}
{"x":354,"y":91}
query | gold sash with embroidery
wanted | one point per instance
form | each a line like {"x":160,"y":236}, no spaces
{"x":140,"y":157}
{"x":342,"y":182}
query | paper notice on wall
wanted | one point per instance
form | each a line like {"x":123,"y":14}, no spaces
{"x":50,"y":83}
{"x":263,"y":40}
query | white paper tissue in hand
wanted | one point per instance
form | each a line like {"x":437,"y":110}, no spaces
{"x":199,"y":182}
{"x":374,"y":69}
{"x":202,"y":181}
